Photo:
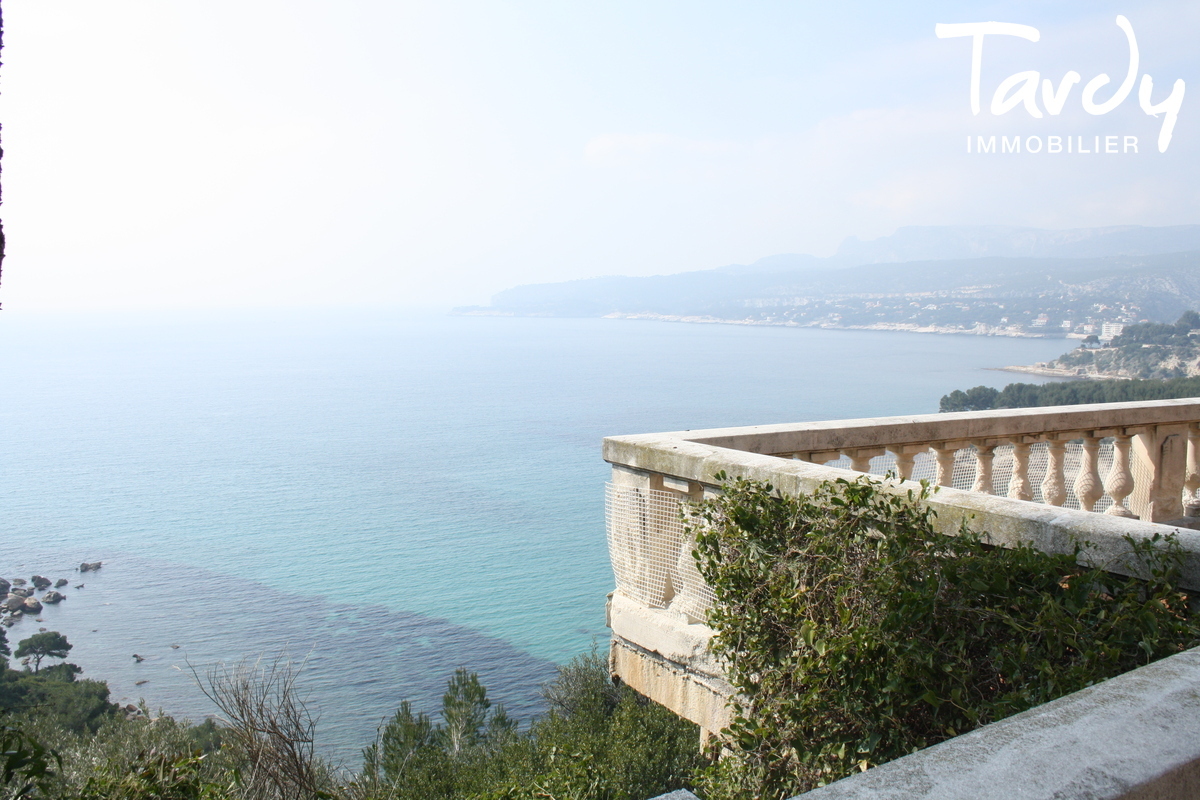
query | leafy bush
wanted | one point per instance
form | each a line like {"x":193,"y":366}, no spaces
{"x":180,"y":756}
{"x":855,"y":633}
{"x":25,"y":764}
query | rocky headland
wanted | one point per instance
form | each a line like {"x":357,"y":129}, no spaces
{"x":1146,"y":351}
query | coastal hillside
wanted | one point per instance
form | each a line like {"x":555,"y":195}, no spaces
{"x":998,"y":281}
{"x":1141,"y":351}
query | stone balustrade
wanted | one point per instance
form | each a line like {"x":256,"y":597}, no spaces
{"x":1125,"y":459}
{"x":1024,"y":475}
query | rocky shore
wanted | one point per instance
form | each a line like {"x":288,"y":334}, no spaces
{"x":1044,"y":368}
{"x":20,"y":594}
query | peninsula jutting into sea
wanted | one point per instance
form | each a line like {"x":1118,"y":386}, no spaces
{"x":992,"y":281}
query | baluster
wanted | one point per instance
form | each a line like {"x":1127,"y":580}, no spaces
{"x":1087,"y":482}
{"x":1018,"y":485}
{"x":1191,"y":475}
{"x":1119,"y":483}
{"x":904,"y":462}
{"x":1054,"y":485}
{"x":945,"y":464}
{"x":860,"y":461}
{"x":983,"y":468}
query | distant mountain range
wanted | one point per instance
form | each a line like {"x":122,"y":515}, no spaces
{"x":986,"y":280}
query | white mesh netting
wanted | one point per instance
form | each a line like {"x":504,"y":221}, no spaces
{"x":651,"y":554}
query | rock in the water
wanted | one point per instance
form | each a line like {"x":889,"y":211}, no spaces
{"x":22,"y":591}
{"x":14,"y":602}
{"x":18,"y":582}
{"x":32,"y":605}
{"x":4,"y":586}
{"x":39,"y":582}
{"x":53,"y":597}
{"x":61,"y":582}
{"x":90,"y":566}
{"x":8,"y":622}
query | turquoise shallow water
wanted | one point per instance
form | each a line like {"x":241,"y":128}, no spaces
{"x":388,"y":495}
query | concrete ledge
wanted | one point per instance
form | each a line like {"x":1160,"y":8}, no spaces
{"x":695,"y":696}
{"x":675,"y":638}
{"x":1134,"y":737}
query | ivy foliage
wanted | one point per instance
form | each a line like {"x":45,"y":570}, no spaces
{"x":855,"y":633}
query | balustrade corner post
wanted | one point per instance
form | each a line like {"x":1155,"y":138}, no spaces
{"x":1159,"y":458}
{"x":984,"y":454}
{"x":945,"y":464}
{"x":1054,"y":485}
{"x":1119,"y":482}
{"x":1087,"y":483}
{"x":1018,"y":484}
{"x":1191,"y":473}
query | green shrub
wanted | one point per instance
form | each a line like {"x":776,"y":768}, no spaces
{"x":855,"y":633}
{"x":26,"y":765}
{"x":597,"y":742}
{"x":55,"y":694}
{"x":176,"y":754}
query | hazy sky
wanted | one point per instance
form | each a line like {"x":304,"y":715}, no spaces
{"x":165,"y":153}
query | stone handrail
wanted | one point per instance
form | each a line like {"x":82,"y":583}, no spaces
{"x":1156,"y":451}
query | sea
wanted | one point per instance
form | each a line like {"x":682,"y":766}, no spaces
{"x":378,"y":496}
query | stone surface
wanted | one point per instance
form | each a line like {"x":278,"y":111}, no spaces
{"x":39,"y":581}
{"x":31,"y":605}
{"x":53,"y":597}
{"x":678,"y":794}
{"x":659,"y":654}
{"x":61,"y":582}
